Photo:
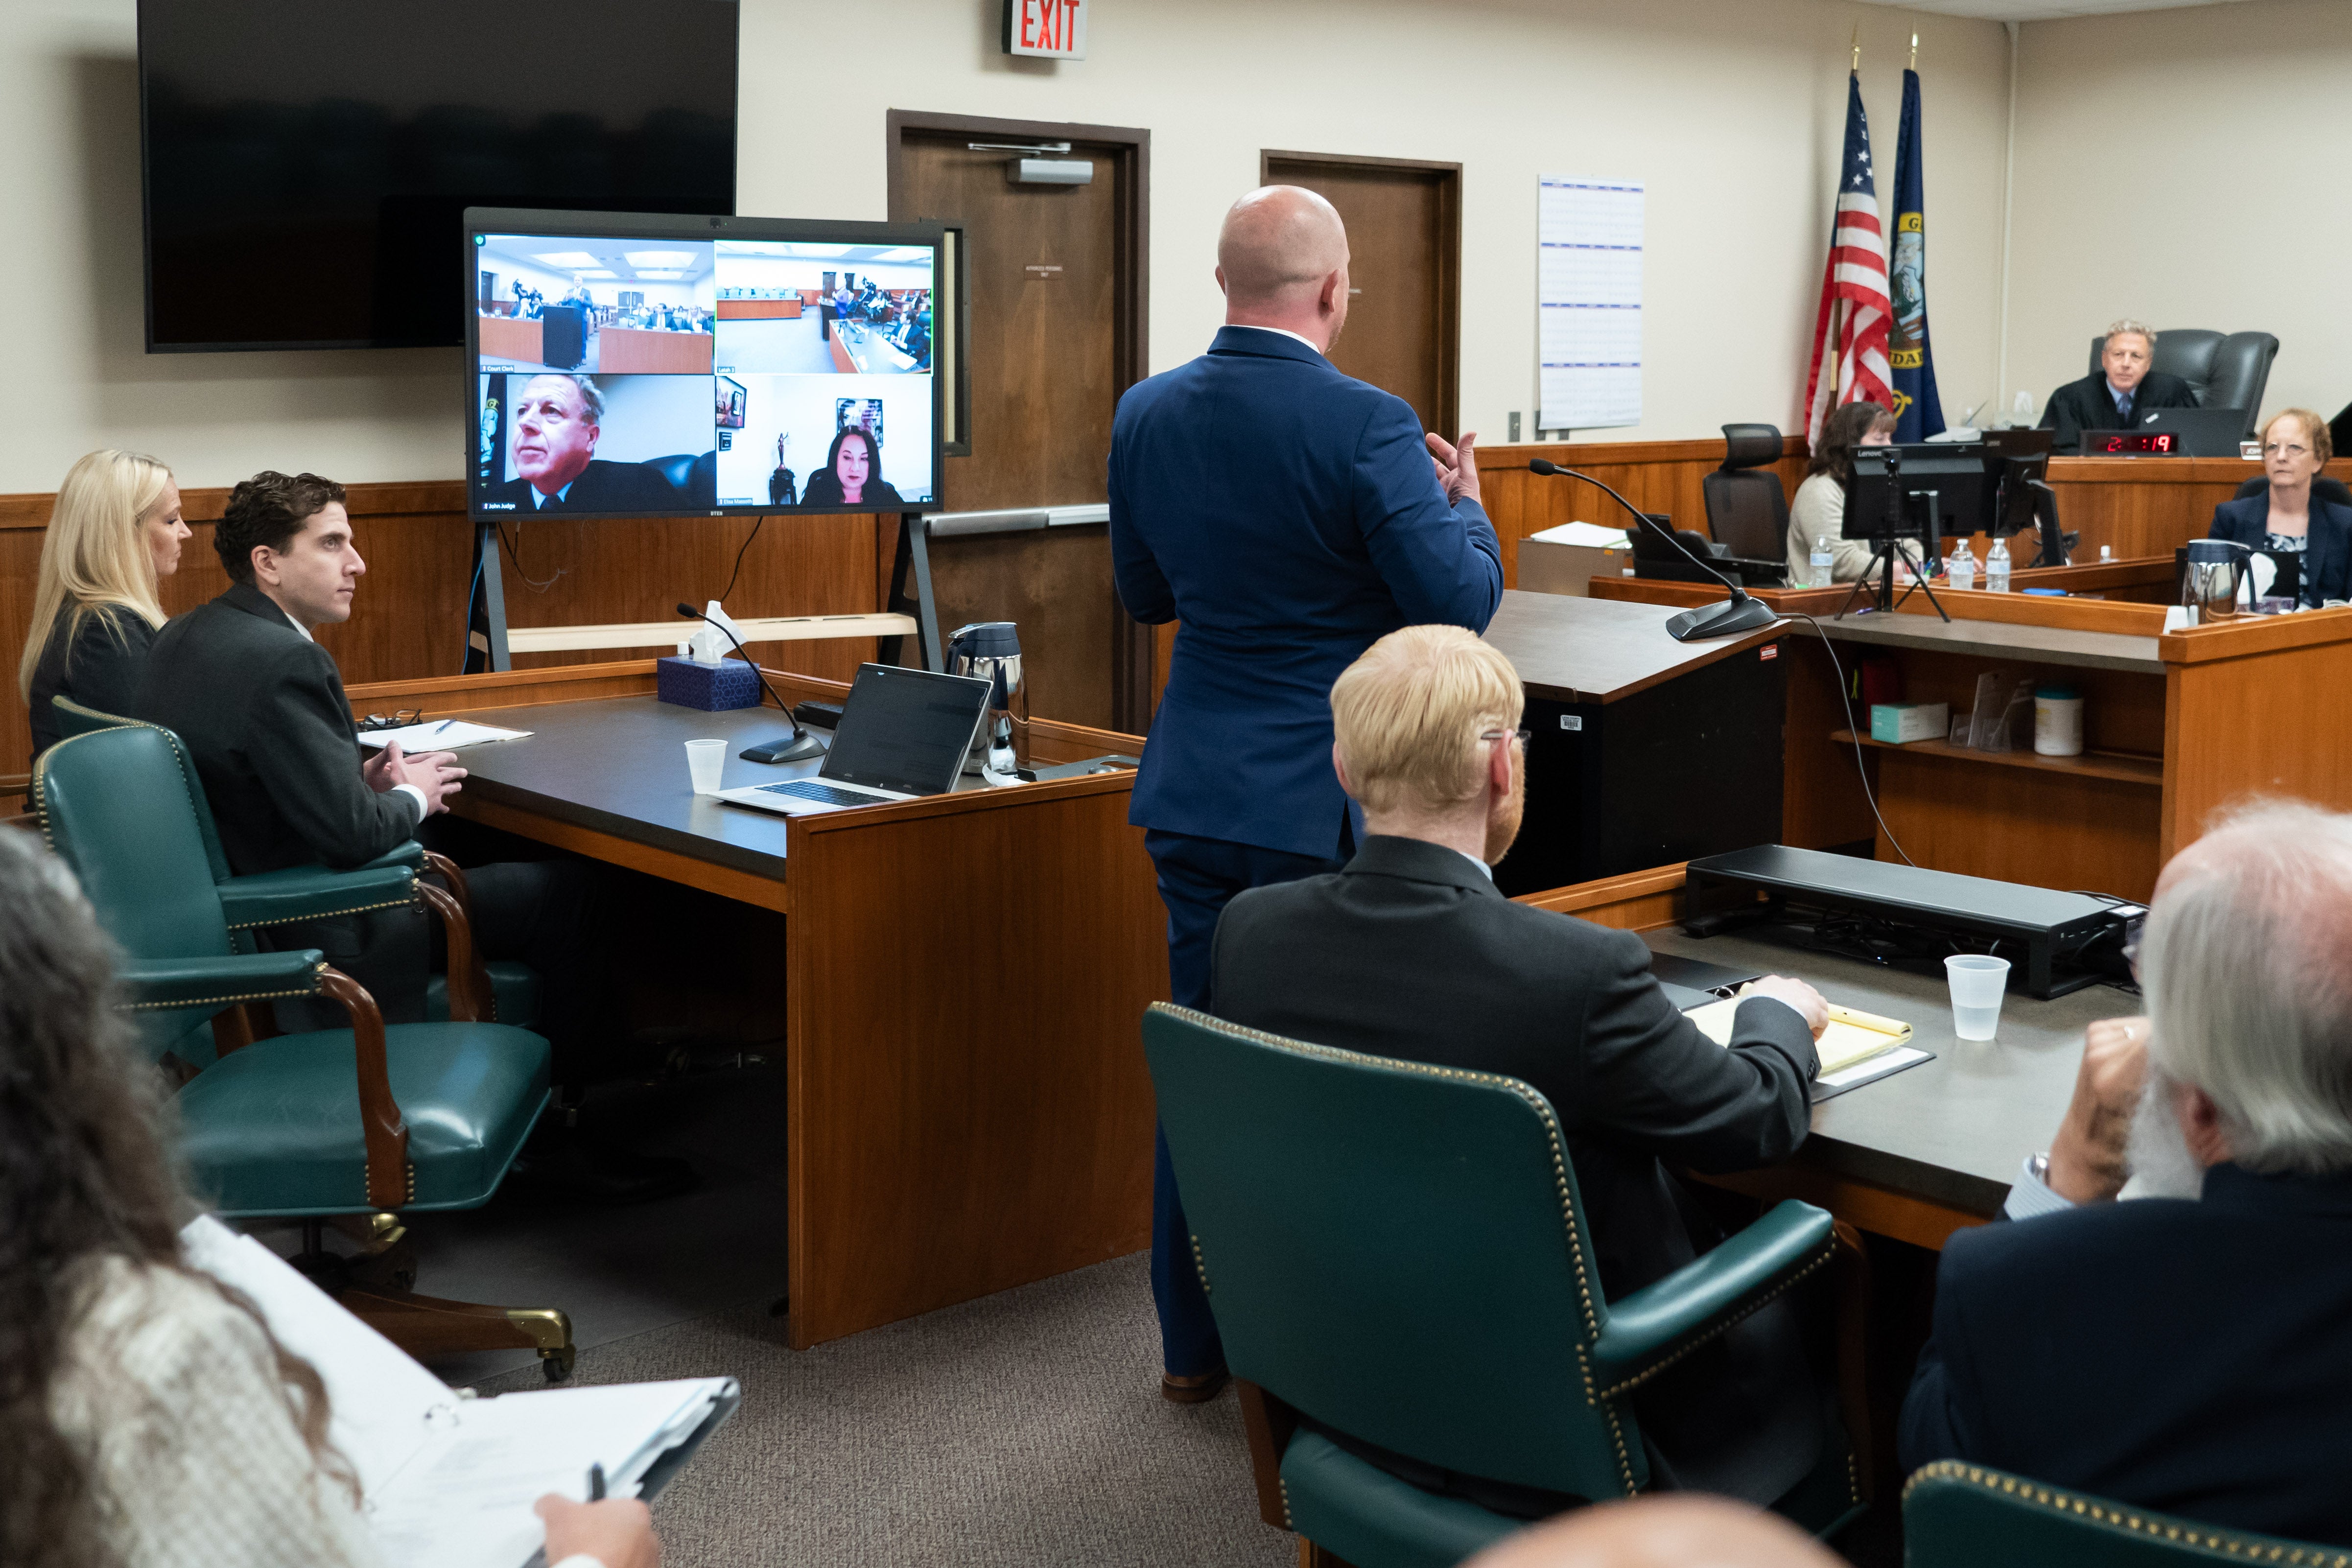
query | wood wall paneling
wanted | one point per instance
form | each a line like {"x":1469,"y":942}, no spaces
{"x":1655,"y":475}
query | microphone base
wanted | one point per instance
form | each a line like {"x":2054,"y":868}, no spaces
{"x":1727,"y":619}
{"x":786,"y":749}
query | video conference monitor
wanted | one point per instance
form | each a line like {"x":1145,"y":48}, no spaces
{"x":647,"y":365}
{"x":1952,"y":471}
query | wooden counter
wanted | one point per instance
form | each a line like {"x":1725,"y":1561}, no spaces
{"x":639,"y":350}
{"x":759,"y":309}
{"x":2177,"y":726}
{"x":502,"y":337}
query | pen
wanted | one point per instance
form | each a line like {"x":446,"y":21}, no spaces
{"x":596,"y":1483}
{"x":443,"y":724}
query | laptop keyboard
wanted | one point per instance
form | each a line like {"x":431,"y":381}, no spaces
{"x":823,"y":794}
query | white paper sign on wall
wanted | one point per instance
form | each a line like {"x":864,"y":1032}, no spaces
{"x":1052,"y":29}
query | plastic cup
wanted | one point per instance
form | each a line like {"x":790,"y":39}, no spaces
{"x":1979,"y":983}
{"x":706,"y":760}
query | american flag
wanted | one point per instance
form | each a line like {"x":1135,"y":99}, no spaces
{"x":1850,"y":335}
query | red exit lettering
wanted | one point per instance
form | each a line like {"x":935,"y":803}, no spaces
{"x":1047,"y":23}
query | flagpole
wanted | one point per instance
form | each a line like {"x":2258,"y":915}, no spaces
{"x":1914,"y":52}
{"x":1856,"y":67}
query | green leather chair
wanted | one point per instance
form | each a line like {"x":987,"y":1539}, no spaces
{"x":1959,"y":1515}
{"x":311,"y":892}
{"x":346,"y":1121}
{"x":1397,"y":1250}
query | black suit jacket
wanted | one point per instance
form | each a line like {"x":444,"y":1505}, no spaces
{"x":2326,"y":555}
{"x":1410,"y":952}
{"x":823,"y":489}
{"x":261,"y":708}
{"x":98,"y":666}
{"x":602,"y":486}
{"x":2188,"y":1357}
{"x":2087,"y":405}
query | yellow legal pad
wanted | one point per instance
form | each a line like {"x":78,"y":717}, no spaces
{"x":1852,"y":1036}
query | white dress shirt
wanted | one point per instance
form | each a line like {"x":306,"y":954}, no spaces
{"x":1282,"y":331}
{"x":424,"y":807}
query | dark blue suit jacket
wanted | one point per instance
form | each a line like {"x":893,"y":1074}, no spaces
{"x":1288,"y":516}
{"x":2189,"y":1357}
{"x":2326,"y":557}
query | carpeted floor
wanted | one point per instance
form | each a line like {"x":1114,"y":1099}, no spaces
{"x":1025,"y":1428}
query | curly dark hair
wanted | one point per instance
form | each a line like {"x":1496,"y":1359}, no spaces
{"x":1842,"y":433}
{"x":268,"y":510}
{"x":85,"y":1172}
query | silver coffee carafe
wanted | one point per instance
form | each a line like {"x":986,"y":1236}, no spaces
{"x":2212,"y":577}
{"x":990,"y":650}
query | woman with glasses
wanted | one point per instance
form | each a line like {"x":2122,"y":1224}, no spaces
{"x":114,"y":535}
{"x":2289,"y":520}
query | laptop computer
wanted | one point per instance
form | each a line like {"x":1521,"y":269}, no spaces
{"x":903,"y":734}
{"x":2203,"y":431}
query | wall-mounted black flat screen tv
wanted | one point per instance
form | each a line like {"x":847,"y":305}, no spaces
{"x":649,"y":365}
{"x":307,"y":163}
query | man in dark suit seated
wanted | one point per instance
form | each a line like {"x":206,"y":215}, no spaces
{"x":552,"y":442}
{"x":1410,"y":952}
{"x":2115,"y":398}
{"x":2185,"y":1350}
{"x":261,"y":708}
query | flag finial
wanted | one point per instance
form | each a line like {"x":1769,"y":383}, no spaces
{"x":1915,"y":51}
{"x":1857,"y":48}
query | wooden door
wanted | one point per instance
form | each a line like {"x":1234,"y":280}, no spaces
{"x":1054,"y":281}
{"x":1404,"y":243}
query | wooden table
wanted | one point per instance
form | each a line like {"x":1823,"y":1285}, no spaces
{"x":1929,"y":1150}
{"x":641,"y":350}
{"x":503,"y":338}
{"x":969,"y":1108}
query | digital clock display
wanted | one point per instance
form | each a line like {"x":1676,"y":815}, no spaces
{"x":2126,"y":442}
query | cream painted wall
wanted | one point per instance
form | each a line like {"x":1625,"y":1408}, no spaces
{"x":1730,"y":110}
{"x":2235,"y":115}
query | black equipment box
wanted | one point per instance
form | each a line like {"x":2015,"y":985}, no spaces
{"x":2048,"y":930}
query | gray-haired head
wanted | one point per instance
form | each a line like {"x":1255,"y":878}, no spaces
{"x":590,"y":399}
{"x":2118,"y":329}
{"x":2249,"y":992}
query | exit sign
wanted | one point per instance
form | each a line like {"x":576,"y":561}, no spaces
{"x":1056,"y":30}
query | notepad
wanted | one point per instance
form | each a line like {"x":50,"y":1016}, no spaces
{"x":447,"y":1480}
{"x":1852,"y":1037}
{"x":439,"y":735}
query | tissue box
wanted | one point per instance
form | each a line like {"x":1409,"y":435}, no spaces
{"x":713,"y":688}
{"x":1898,"y":723}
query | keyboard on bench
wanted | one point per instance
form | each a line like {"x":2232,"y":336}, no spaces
{"x":823,"y":794}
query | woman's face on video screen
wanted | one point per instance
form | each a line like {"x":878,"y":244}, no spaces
{"x":854,"y":464}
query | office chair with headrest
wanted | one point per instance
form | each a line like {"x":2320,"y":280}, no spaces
{"x":2224,"y":372}
{"x":1958,"y":1515}
{"x":1398,"y":1252}
{"x":1746,"y":508}
{"x":2334,"y":492}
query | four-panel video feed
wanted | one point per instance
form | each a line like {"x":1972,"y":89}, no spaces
{"x":651,"y":375}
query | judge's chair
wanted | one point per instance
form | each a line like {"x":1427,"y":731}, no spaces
{"x":2225,"y":370}
{"x":508,"y":991}
{"x":1745,"y":507}
{"x":1396,"y":1251}
{"x":367,"y":1122}
{"x":1958,"y":1515}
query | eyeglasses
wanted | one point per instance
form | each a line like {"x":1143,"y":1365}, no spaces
{"x":401,"y":719}
{"x":1523,"y":735}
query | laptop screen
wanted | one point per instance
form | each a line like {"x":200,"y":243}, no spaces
{"x":907,"y":730}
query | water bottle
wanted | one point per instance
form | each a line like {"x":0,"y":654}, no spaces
{"x":1997,"y":568}
{"x":1824,"y":559}
{"x":1962,"y":567}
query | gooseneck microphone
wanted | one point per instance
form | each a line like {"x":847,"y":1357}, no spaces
{"x":1740,"y":614}
{"x":803,"y":745}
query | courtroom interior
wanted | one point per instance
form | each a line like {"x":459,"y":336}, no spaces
{"x":1068,"y":781}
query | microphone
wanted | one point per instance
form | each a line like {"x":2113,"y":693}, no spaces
{"x":1741,"y":613}
{"x":803,"y":745}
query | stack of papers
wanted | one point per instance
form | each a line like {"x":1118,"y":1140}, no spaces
{"x":447,"y":1480}
{"x":1591,"y":535}
{"x":1855,"y":1042}
{"x":440,"y":735}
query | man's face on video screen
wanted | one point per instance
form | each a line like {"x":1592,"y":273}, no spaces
{"x":553,"y":435}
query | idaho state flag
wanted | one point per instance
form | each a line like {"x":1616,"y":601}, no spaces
{"x":1919,"y":412}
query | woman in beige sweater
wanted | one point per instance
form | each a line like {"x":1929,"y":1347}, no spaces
{"x":1819,"y":506}
{"x":147,"y":1416}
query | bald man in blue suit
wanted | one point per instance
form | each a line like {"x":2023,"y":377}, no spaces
{"x":1288,"y":516}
